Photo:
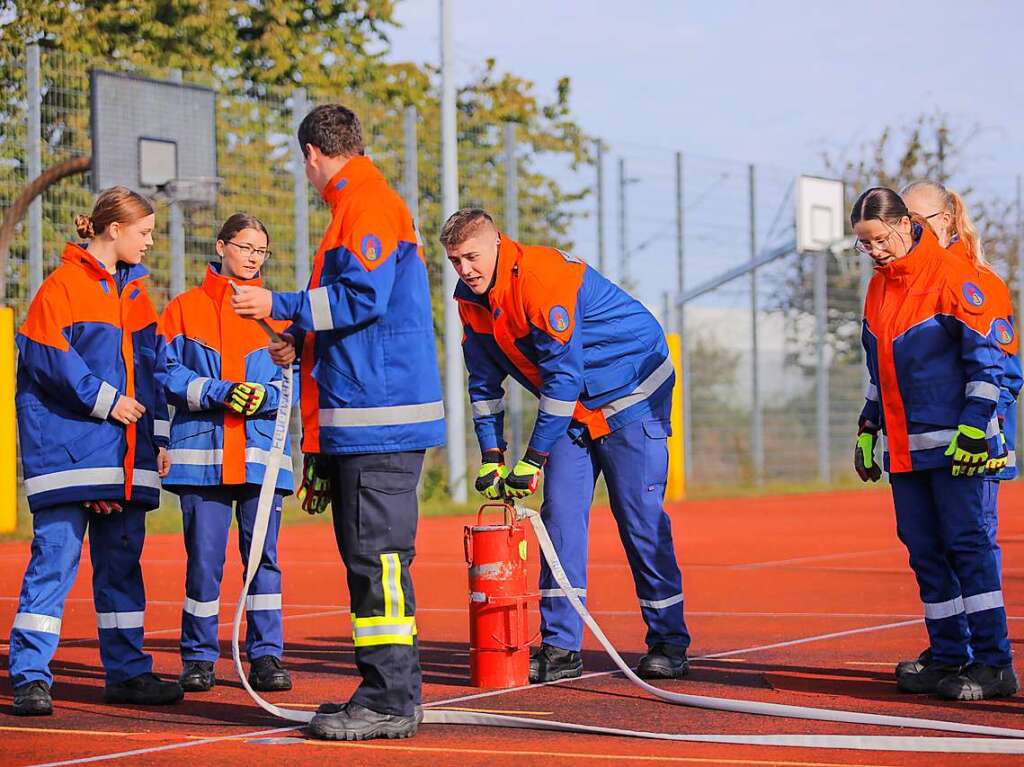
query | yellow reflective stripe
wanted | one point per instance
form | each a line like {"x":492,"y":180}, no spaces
{"x":391,"y":584}
{"x":397,"y":574}
{"x":381,"y":629}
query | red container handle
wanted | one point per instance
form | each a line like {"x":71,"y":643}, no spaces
{"x":507,"y":508}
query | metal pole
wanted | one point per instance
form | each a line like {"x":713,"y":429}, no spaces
{"x":600,"y":207}
{"x":411,"y":175}
{"x":176,"y":229}
{"x":623,"y":234}
{"x":455,"y":391}
{"x":1020,"y":301}
{"x":301,"y":194}
{"x":514,"y":417}
{"x":681,"y":315}
{"x":756,"y":420}
{"x":822,"y":377}
{"x":34,"y":162}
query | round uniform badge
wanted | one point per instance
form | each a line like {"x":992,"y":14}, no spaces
{"x":973,"y":294}
{"x":370,"y":247}
{"x":1004,"y":331}
{"x":559,"y":318}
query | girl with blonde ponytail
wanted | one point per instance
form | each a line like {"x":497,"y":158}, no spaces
{"x":944,"y":209}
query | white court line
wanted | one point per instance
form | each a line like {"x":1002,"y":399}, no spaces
{"x":817,"y":558}
{"x":710,"y":656}
{"x":491,"y":693}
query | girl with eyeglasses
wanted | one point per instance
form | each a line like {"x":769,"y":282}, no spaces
{"x":225,"y":390}
{"x":944,"y":209}
{"x":935,"y":366}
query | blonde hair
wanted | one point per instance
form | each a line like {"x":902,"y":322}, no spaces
{"x":120,"y":204}
{"x":963,"y":226}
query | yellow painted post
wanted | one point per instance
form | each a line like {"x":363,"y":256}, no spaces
{"x":675,"y":489}
{"x":8,"y":449}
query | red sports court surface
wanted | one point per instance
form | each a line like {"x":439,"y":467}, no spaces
{"x":803,"y":600}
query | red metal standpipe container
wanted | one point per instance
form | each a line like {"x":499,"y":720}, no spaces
{"x":499,"y":638}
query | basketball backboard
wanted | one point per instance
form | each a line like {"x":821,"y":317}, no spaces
{"x":820,"y":212}
{"x":153,"y":135}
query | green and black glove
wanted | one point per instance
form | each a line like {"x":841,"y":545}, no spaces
{"x":997,"y":463}
{"x":524,"y":479}
{"x":314,"y":493}
{"x":969,"y":450}
{"x":490,"y":480}
{"x":245,"y":398}
{"x":864,"y":455}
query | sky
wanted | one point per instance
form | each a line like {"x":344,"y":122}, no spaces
{"x":775,"y":84}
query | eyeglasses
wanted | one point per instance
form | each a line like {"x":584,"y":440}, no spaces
{"x":248,"y":250}
{"x":867,"y":247}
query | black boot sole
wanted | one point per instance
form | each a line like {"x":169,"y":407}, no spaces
{"x":390,"y":730}
{"x":662,"y":672}
{"x":32,"y":710}
{"x":136,"y":699}
{"x":197,"y":686}
{"x":553,"y":675}
{"x":282,"y":686}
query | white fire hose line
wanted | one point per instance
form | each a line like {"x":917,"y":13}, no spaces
{"x":1001,"y":740}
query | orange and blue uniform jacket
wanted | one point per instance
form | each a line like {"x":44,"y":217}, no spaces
{"x":209,"y":349}
{"x":90,"y":337}
{"x":364,"y":329}
{"x":588,"y":350}
{"x":993,"y":287}
{"x":931,"y":338}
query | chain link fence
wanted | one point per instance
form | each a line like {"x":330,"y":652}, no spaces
{"x":773,"y":365}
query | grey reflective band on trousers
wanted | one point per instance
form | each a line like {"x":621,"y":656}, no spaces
{"x":389,"y":415}
{"x":1003,"y":740}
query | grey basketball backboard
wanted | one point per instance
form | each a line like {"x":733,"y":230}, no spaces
{"x":147,"y":133}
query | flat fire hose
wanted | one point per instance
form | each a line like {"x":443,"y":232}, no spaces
{"x":1001,"y":740}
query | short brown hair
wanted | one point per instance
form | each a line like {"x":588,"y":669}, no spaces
{"x":332,"y":129}
{"x":120,"y":204}
{"x":462,"y":224}
{"x":237,"y":223}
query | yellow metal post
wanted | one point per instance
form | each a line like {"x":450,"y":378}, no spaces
{"x":8,"y":449}
{"x":675,"y":489}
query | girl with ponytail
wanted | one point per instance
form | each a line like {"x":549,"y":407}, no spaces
{"x":92,"y":425}
{"x":946,"y":211}
{"x":934,"y":363}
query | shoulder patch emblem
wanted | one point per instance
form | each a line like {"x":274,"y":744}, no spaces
{"x":973,"y":294}
{"x":1004,"y":331}
{"x":370,"y":247}
{"x":558,"y":318}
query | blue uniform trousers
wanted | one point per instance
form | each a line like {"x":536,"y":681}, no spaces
{"x":939,"y":518}
{"x":990,"y":518}
{"x":115,"y":546}
{"x":206,"y":517}
{"x":634,"y":460}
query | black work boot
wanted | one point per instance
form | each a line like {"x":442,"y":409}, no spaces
{"x":549,"y":663}
{"x":663,"y":661}
{"x":197,"y":676}
{"x":979,"y":682}
{"x":355,"y":722}
{"x":927,"y":679}
{"x":914,"y":666}
{"x":32,"y":699}
{"x":144,"y":690}
{"x":267,"y":675}
{"x":334,"y":708}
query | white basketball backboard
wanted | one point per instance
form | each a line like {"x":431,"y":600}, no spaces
{"x":820,"y":212}
{"x":149,"y":133}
